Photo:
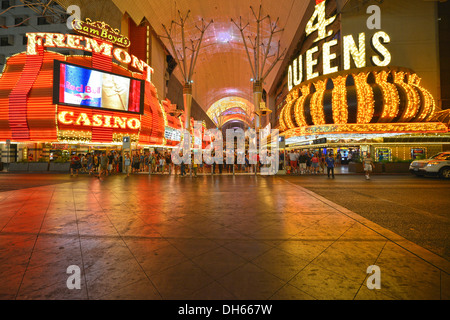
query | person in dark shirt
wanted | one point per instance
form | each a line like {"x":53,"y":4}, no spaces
{"x":281,"y":165}
{"x":103,"y":165}
{"x":75,"y":164}
{"x":330,"y":165}
{"x":169,"y":162}
{"x":90,"y":163}
{"x":302,"y":159}
{"x":110,"y":163}
{"x":120,"y":163}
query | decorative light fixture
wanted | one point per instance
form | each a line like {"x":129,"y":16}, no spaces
{"x":365,"y":98}
{"x":391,"y":99}
{"x":258,"y":64}
{"x":181,"y":58}
{"x":317,"y":114}
{"x":313,"y":108}
{"x":300,"y":106}
{"x":339,"y":100}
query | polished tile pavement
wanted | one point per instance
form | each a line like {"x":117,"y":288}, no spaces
{"x":222,"y":238}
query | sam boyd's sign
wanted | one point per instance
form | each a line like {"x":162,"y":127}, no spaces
{"x":102,"y":31}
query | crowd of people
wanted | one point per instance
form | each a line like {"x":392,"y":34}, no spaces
{"x":110,"y":163}
{"x":295,"y":162}
{"x":307,"y":162}
{"x":105,"y":164}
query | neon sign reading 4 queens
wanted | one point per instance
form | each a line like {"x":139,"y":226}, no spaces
{"x":351,"y":51}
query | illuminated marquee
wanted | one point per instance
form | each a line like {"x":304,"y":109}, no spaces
{"x":78,"y":42}
{"x":82,"y":119}
{"x":102,"y":31}
{"x":172,"y":134}
{"x":351,"y":50}
{"x":371,"y":128}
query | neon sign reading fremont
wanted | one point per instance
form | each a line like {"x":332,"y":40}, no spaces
{"x":78,"y":42}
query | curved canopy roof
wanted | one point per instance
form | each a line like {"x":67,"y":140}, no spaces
{"x":222,"y":65}
{"x":230,"y":108}
{"x":443,"y":116}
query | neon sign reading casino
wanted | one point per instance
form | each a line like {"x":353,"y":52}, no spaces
{"x":97,"y":120}
{"x":318,"y":22}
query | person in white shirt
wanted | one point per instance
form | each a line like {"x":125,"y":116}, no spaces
{"x":293,"y":161}
{"x":368,"y":165}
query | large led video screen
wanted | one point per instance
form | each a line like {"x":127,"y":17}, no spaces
{"x":85,"y":87}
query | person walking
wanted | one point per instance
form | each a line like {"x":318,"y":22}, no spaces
{"x":120,"y":163}
{"x":146,"y":162}
{"x":127,"y":164}
{"x":338,"y":158}
{"x":322,"y":163}
{"x":75,"y":164}
{"x":153,"y":163}
{"x":247,"y":163}
{"x":315,"y":163}
{"x":150,"y":161}
{"x":89,"y":163}
{"x":141,"y":162}
{"x":110,"y":163}
{"x":134,"y":163}
{"x":368,"y":165}
{"x":330,"y":165}
{"x":293,"y":161}
{"x":302,"y":162}
{"x":116,"y":162}
{"x":96,"y":163}
{"x":169,"y":163}
{"x":162,"y":163}
{"x":281,"y":160}
{"x":84,"y":163}
{"x":103,"y":165}
{"x":308,"y":162}
{"x":182,"y":169}
{"x":194,"y":167}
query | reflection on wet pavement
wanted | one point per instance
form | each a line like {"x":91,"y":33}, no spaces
{"x":161,"y":237}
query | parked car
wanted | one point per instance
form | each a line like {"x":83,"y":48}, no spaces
{"x":437,"y":165}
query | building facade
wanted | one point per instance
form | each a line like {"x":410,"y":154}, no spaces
{"x":365,"y":78}
{"x":65,"y":91}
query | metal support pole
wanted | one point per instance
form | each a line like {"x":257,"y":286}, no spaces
{"x":257,"y":97}
{"x":187,"y":96}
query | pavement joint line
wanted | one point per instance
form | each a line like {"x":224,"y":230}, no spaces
{"x":420,"y":211}
{"x":79,"y":243}
{"x":32,"y":249}
{"x":247,"y":238}
{"x":128,"y":237}
{"x":339,"y":210}
{"x":375,"y":263}
{"x":9,"y":195}
{"x":332,"y":242}
{"x":311,"y":262}
{"x":422,"y":253}
{"x":131,"y":252}
{"x":36,"y":187}
{"x":18,"y":209}
{"x":219,"y":284}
